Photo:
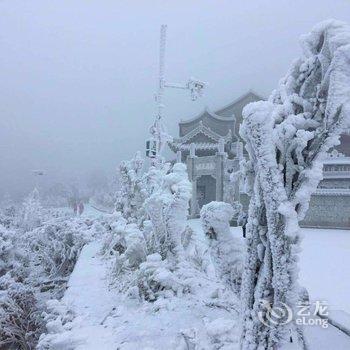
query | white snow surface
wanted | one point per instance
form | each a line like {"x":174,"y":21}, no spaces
{"x":104,"y":319}
{"x":324,"y":266}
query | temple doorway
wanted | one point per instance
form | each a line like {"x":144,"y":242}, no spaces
{"x":206,"y":190}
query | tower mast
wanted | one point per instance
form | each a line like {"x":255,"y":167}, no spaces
{"x":158,"y":131}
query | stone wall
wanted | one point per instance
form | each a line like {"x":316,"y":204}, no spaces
{"x":328,"y":211}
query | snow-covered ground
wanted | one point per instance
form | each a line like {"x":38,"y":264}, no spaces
{"x":324,"y":266}
{"x":324,"y":271}
{"x":104,"y":319}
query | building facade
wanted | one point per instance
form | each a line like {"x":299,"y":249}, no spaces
{"x":211,"y":146}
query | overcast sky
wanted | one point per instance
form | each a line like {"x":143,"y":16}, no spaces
{"x":78,"y":77}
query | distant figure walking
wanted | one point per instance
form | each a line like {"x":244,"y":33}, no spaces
{"x":242,"y":221}
{"x":75,"y":208}
{"x":81,"y":208}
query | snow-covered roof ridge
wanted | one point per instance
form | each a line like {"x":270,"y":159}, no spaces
{"x":240,"y":98}
{"x":216,"y":114}
{"x":201,"y":128}
{"x":203,"y":113}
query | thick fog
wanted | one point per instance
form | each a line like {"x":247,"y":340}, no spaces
{"x":78,"y":77}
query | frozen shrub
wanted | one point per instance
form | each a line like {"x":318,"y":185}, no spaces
{"x":55,"y":247}
{"x":114,"y":242}
{"x":130,"y":197}
{"x":20,"y":320}
{"x":135,"y":251}
{"x":226,"y":251}
{"x":215,"y":218}
{"x":287,"y":138}
{"x":155,"y":279}
{"x":168,"y":208}
{"x":6,"y":249}
{"x":58,"y":321}
{"x":9,"y":216}
{"x":32,"y":211}
{"x":129,"y":248}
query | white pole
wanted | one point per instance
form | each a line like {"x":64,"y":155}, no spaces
{"x":162,"y":44}
{"x":158,"y":130}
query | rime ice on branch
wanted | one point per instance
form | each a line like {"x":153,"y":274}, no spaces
{"x":168,"y":209}
{"x":287,"y":138}
{"x":225,"y":250}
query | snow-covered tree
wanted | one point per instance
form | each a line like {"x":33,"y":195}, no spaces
{"x":32,"y":211}
{"x":130,"y":197}
{"x":167,"y":208}
{"x":287,"y":138}
{"x":225,"y":250}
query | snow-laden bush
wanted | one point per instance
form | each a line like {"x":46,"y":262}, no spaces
{"x":34,"y":266}
{"x":220,"y":333}
{"x":287,"y":138}
{"x":130,"y":196}
{"x":124,"y":242}
{"x":13,"y":257}
{"x":20,"y":318}
{"x":153,"y":253}
{"x":9,"y":216}
{"x":58,"y":320}
{"x":167,"y":208}
{"x":55,"y":246}
{"x":6,"y":249}
{"x":226,"y":251}
{"x":155,"y":279}
{"x":153,"y":178}
{"x":130,"y":248}
{"x":115,"y":226}
{"x":32,"y":211}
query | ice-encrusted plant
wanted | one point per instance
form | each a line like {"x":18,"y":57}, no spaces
{"x":287,"y":138}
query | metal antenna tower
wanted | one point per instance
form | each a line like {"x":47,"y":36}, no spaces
{"x":159,"y":135}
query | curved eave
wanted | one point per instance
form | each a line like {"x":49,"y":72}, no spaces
{"x":250,"y":92}
{"x":186,"y":147}
{"x":210,"y":114}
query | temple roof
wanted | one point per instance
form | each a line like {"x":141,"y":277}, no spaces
{"x":235,"y":107}
{"x":202,"y":136}
{"x":227,"y":118}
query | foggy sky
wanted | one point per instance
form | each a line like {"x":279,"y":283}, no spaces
{"x":78,"y":77}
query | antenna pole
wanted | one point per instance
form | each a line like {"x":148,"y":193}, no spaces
{"x":157,"y":130}
{"x":161,"y":86}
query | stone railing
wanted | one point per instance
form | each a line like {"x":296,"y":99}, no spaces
{"x":333,"y":191}
{"x":336,"y":174}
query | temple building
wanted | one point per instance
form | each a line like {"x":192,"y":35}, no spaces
{"x":211,"y":146}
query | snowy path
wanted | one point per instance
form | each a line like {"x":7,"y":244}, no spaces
{"x":89,"y":297}
{"x":104,"y":320}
